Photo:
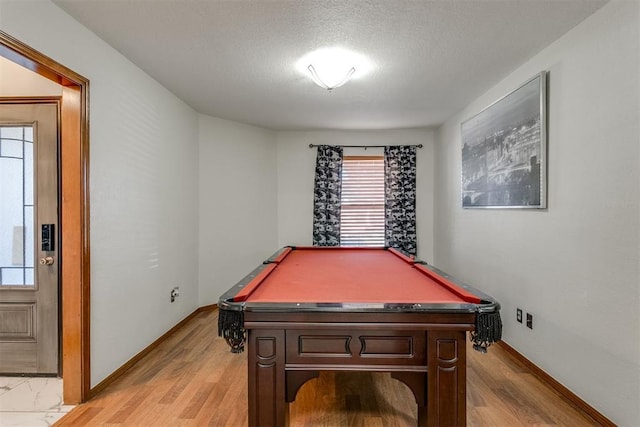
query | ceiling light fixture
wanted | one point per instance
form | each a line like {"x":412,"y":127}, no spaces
{"x":320,"y":82}
{"x":332,"y":67}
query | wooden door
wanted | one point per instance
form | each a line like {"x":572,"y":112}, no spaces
{"x":29,"y":238}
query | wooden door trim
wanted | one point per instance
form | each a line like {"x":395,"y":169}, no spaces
{"x":74,"y":204}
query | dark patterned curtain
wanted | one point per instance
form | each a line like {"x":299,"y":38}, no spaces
{"x":400,"y":197}
{"x":326,"y":196}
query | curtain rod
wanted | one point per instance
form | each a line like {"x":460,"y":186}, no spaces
{"x":364,"y":146}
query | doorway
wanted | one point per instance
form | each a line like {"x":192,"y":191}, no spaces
{"x":29,"y":281}
{"x":74,"y":213}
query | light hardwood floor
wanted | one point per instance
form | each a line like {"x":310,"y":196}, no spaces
{"x":192,"y":379}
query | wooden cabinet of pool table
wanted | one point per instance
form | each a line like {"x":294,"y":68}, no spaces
{"x":426,"y":351}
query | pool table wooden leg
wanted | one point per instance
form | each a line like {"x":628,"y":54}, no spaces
{"x":447,"y":378}
{"x":417,"y":383}
{"x":266,"y":363}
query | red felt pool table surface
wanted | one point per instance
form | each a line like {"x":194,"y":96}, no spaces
{"x":350,"y":275}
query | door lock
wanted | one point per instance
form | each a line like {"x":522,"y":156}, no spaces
{"x":46,"y":260}
{"x":48,"y":234}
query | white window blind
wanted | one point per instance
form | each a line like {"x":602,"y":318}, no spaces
{"x":362,"y":203}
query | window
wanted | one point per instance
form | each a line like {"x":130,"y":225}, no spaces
{"x":362,"y":203}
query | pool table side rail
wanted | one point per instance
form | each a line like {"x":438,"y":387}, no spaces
{"x":231,"y":312}
{"x":486,"y":302}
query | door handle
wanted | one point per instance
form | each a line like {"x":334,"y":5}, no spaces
{"x":46,"y":260}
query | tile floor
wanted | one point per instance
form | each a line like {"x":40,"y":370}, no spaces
{"x":31,"y":402}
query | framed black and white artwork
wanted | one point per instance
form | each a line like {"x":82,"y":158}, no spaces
{"x":504,"y":150}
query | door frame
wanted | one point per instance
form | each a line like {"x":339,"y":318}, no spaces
{"x":74,"y":213}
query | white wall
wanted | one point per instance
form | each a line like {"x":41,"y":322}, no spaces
{"x":575,"y":266}
{"x":143,"y":183}
{"x":296,"y":167}
{"x":238,"y":203}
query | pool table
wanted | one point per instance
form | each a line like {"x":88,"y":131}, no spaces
{"x":312,"y":309}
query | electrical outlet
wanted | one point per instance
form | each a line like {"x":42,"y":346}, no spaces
{"x":529,"y":320}
{"x":175,"y":293}
{"x":519,"y":315}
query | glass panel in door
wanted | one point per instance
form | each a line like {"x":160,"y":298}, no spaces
{"x":16,"y":206}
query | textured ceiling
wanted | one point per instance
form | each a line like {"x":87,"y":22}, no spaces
{"x":237,"y":59}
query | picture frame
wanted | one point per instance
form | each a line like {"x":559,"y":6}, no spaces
{"x":504,"y":151}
